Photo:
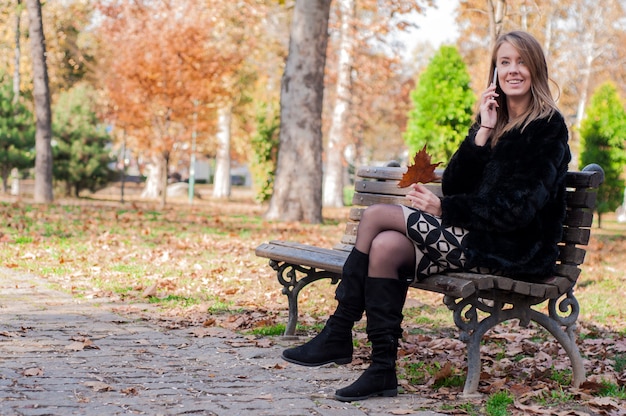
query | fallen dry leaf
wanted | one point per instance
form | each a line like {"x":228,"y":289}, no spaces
{"x":80,"y":345}
{"x":98,"y":385}
{"x":264,"y":343}
{"x":131,"y":391}
{"x":265,"y":397}
{"x":32,"y":372}
{"x":10,"y":334}
{"x":150,"y":291}
{"x":401,"y":411}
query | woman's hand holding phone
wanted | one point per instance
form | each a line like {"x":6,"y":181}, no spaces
{"x":488,"y":111}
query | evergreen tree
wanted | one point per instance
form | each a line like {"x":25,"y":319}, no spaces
{"x":264,"y":145}
{"x":81,"y":154}
{"x":17,"y":133}
{"x":443,"y":106}
{"x":602,"y":133}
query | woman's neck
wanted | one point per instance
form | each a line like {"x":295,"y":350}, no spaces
{"x":517,"y":106}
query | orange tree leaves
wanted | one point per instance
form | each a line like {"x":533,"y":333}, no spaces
{"x":421,"y":171}
{"x":166,"y":60}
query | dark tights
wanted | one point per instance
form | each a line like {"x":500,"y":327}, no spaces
{"x":382,"y":235}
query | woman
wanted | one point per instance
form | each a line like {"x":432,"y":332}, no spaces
{"x":502,"y":212}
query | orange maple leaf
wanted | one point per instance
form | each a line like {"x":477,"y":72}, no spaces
{"x":420,"y":171}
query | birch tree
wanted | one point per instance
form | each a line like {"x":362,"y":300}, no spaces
{"x":221,"y":181}
{"x":18,"y":51}
{"x":593,"y":30}
{"x":334,"y":171}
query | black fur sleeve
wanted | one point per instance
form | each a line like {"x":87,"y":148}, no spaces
{"x":524,"y":171}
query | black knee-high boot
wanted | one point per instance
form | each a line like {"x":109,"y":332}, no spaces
{"x":334,"y":342}
{"x":384,"y":300}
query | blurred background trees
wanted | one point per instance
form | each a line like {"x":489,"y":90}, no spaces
{"x":174,"y":80}
{"x":603,"y":134}
{"x":82,"y":150}
{"x":443,"y":106}
{"x":17,"y":133}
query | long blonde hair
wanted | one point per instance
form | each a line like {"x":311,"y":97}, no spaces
{"x":542,"y":105}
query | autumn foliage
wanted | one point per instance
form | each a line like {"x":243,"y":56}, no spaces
{"x":421,"y":171}
{"x":163,"y":58}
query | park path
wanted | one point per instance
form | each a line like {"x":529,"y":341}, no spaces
{"x":63,"y":356}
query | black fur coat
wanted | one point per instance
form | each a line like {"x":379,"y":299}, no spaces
{"x":511,"y":198}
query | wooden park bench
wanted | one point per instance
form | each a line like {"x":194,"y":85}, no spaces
{"x":478,"y":301}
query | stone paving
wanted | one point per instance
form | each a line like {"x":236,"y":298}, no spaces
{"x":62,"y":356}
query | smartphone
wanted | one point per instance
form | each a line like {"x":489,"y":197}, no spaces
{"x":495,"y":76}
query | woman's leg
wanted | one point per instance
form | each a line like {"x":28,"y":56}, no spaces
{"x":391,"y":252}
{"x":334,"y":342}
{"x":382,"y":234}
{"x":377,"y":219}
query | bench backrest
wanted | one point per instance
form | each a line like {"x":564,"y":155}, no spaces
{"x":376,"y":185}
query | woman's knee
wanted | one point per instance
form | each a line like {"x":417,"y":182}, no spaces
{"x":371,"y":213}
{"x":384,"y":217}
{"x":391,"y":251}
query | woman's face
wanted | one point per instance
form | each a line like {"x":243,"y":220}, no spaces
{"x":513,"y":74}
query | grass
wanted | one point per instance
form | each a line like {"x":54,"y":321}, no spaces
{"x":174,"y":299}
{"x":619,"y":362}
{"x":274,"y":330}
{"x":498,"y":403}
{"x":561,"y":377}
{"x":612,"y":390}
{"x":555,"y":397}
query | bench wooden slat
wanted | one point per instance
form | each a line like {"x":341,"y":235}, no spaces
{"x":355,"y":214}
{"x":446,"y":284}
{"x":304,"y":255}
{"x":380,"y":187}
{"x":561,"y":284}
{"x":348,"y":239}
{"x":576,"y":235}
{"x":482,"y":282}
{"x":390,"y":188}
{"x":578,"y":218}
{"x":351,"y":228}
{"x":581,"y":198}
{"x":568,"y":270}
{"x":571,"y":255}
{"x":580,"y":179}
{"x":362,"y":198}
{"x":343,"y":247}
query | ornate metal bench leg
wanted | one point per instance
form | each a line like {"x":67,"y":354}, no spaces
{"x":465,"y":313}
{"x":555,"y":323}
{"x":568,"y":344}
{"x":288,"y":277}
{"x":473,"y":367}
{"x":292,"y":297}
{"x":474,"y":363}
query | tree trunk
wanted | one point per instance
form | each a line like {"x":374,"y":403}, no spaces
{"x":333,"y":174}
{"x":18,"y":52}
{"x":154,"y":179}
{"x":41,"y":93}
{"x":496,"y":10}
{"x":221,"y":180}
{"x":298,"y":186}
{"x":165,"y":160}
